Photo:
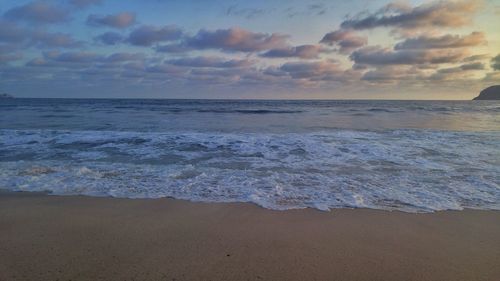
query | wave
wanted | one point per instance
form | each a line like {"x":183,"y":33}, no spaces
{"x":407,"y":170}
{"x":249,"y":111}
{"x":201,"y":109}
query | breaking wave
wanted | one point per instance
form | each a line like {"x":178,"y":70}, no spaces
{"x":407,"y":170}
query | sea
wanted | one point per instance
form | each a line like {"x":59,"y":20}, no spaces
{"x":412,"y":156}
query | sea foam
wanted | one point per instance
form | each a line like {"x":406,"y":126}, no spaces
{"x":407,"y":170}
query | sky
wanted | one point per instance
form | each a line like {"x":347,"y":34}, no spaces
{"x":260,"y":49}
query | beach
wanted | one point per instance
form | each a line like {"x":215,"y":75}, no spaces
{"x":48,"y":237}
{"x":249,"y":140}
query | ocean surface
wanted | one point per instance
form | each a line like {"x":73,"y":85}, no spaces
{"x":414,"y":156}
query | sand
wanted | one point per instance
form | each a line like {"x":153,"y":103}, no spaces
{"x":84,"y":238}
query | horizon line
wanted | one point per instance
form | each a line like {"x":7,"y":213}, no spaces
{"x":232,"y":99}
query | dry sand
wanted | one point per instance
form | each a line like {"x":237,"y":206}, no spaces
{"x":82,"y":238}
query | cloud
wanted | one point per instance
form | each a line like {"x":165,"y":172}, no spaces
{"x":476,"y":58}
{"x":405,"y":75}
{"x":50,"y":40}
{"x":492,"y":77}
{"x":71,"y":57}
{"x":347,"y":40}
{"x":229,"y":40}
{"x":319,"y":70}
{"x":459,"y":72}
{"x":433,"y":14}
{"x":219,"y":76}
{"x":461,"y":68}
{"x":303,"y":51}
{"x":172,"y":48}
{"x":83,"y":59}
{"x":314,"y":9}
{"x":7,"y":48}
{"x":472,"y":66}
{"x":13,"y":34}
{"x":236,"y":39}
{"x":148,"y":35}
{"x":39,"y":62}
{"x":240,"y":57}
{"x":318,"y":8}
{"x":203,"y":61}
{"x":495,"y":62}
{"x":383,"y":56}
{"x":248,"y":13}
{"x":84,"y":3}
{"x":165,"y":69}
{"x":122,"y":57}
{"x":120,"y":20}
{"x":109,"y":38}
{"x":390,"y":74}
{"x":445,"y":41}
{"x":4,"y":57}
{"x":40,"y":12}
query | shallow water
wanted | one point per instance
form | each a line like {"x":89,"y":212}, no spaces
{"x":414,"y":156}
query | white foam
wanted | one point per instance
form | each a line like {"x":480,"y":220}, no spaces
{"x":409,"y":170}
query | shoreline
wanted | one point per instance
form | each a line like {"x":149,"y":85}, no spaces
{"x":46,"y":237}
{"x":7,"y":192}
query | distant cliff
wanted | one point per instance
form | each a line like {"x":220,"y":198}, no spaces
{"x":6,"y":96}
{"x":490,"y":93}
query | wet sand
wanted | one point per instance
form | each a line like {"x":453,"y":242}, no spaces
{"x":83,"y":238}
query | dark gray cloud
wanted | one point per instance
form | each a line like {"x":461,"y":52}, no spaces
{"x":84,"y":3}
{"x":318,"y":8}
{"x":476,"y":58}
{"x":83,"y":59}
{"x":236,"y":39}
{"x":204,"y":61}
{"x":44,"y":39}
{"x":10,"y":33}
{"x":8,"y":48}
{"x":383,"y":56}
{"x":401,"y":73}
{"x":463,"y":67}
{"x":313,"y":9}
{"x":312,"y":73}
{"x":458,"y":72}
{"x":390,"y":74}
{"x":8,"y":57}
{"x":303,"y":51}
{"x":173,"y":48}
{"x":41,"y":62}
{"x":71,"y":57}
{"x":110,"y":38}
{"x":433,"y":14}
{"x":274,"y":71}
{"x":137,"y":64}
{"x":166,"y":69}
{"x":441,"y":42}
{"x":472,"y":66}
{"x":495,"y":62}
{"x":123,"y":57}
{"x":312,"y":70}
{"x":248,"y":13}
{"x":39,"y":12}
{"x":120,"y":20}
{"x":347,"y":40}
{"x":148,"y":35}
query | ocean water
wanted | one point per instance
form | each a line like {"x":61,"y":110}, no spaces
{"x":414,"y":156}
